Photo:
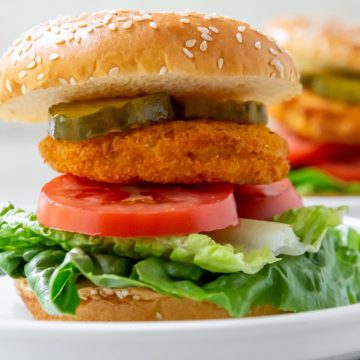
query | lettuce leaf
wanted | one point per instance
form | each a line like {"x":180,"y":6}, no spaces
{"x":194,"y":266}
{"x":327,"y":278}
{"x":19,"y":230}
{"x":310,"y":181}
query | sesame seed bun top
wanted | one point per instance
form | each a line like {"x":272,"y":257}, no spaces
{"x":319,"y":45}
{"x":126,"y":53}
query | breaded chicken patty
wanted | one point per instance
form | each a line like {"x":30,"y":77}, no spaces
{"x":175,"y":152}
{"x":317,"y":118}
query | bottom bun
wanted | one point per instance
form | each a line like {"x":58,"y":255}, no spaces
{"x":131,"y":304}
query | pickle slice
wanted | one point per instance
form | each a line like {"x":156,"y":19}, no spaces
{"x":88,"y":119}
{"x":249,"y":112}
{"x":337,"y":87}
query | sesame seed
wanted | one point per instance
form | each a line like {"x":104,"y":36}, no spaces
{"x":107,"y":291}
{"x":153,"y":24}
{"x":107,"y":19}
{"x":188,"y":53}
{"x":78,"y":39}
{"x":22,"y":74}
{"x":17,"y":41}
{"x":279,"y":67}
{"x":158,"y":316}
{"x":163,"y":70}
{"x":63,"y":81}
{"x":184,"y":13}
{"x":190,"y":43}
{"x":203,"y":30}
{"x":273,"y":51}
{"x":136,"y":297}
{"x":120,"y":18}
{"x":214,"y":29}
{"x":147,"y":16}
{"x":38,"y":59}
{"x":54,"y":56}
{"x":99,"y":25}
{"x":239,"y":37}
{"x":241,"y":28}
{"x":8,"y":86}
{"x":203,"y":46}
{"x":273,"y":76}
{"x":258,"y":44}
{"x":125,"y":292}
{"x":206,"y":37}
{"x":60,"y":41}
{"x":127,"y":24}
{"x":32,"y":56}
{"x":27,"y":47}
{"x":82,"y":25}
{"x":220,"y":63}
{"x":24,"y":89}
{"x":91,"y":78}
{"x":90,"y":29}
{"x":31,"y":65}
{"x":71,"y":38}
{"x":119,"y":294}
{"x":72,"y":81}
{"x":114,"y":71}
{"x":207,"y":17}
{"x":185,"y":21}
{"x":93,"y":292}
{"x":112,"y":26}
{"x":37,"y":36}
{"x":139,"y":18}
{"x":40,"y":77}
{"x":73,"y":30}
{"x":56,"y":30}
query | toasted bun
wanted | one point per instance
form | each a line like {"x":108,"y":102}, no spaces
{"x":319,"y":45}
{"x":126,"y":53}
{"x":131,"y":304}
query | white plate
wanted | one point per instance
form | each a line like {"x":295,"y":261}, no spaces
{"x":325,"y":334}
{"x":353,"y":202}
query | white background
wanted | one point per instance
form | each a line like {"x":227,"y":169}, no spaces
{"x":22,"y":172}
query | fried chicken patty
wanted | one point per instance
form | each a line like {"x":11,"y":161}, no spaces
{"x":175,"y":152}
{"x":320,"y":119}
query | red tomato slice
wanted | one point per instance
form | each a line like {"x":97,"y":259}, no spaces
{"x":303,"y":152}
{"x":348,"y":171}
{"x":79,"y":205}
{"x":263,"y":202}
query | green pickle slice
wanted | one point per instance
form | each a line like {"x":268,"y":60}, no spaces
{"x":88,"y":119}
{"x":338,"y":87}
{"x":249,"y":112}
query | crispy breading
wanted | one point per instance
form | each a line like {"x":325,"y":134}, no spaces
{"x":320,"y":119}
{"x":175,"y":152}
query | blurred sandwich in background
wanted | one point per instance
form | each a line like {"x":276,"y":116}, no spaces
{"x":322,"y":125}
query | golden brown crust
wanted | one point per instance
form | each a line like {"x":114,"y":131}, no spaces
{"x":132,"y":304}
{"x":319,"y":45}
{"x":124,"y":53}
{"x":320,"y":119}
{"x":175,"y":152}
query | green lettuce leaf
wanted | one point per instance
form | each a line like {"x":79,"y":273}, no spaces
{"x":19,"y":230}
{"x":328,"y":278}
{"x":310,"y":181}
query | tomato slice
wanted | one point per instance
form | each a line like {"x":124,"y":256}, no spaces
{"x":303,"y":152}
{"x":263,"y":202}
{"x":348,"y":171}
{"x":80,"y":205}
